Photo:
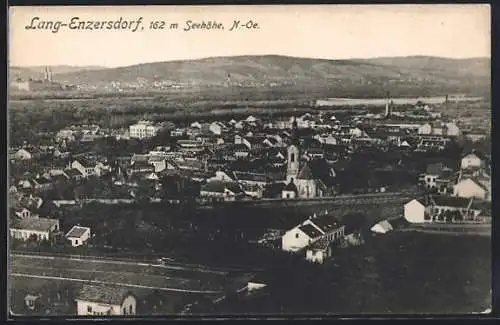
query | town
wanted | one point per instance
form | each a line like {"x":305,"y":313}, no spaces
{"x":345,"y":175}
{"x":249,"y":162}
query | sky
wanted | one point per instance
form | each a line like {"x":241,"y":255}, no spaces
{"x":315,"y":31}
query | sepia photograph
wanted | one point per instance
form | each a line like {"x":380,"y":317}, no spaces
{"x":249,"y":161}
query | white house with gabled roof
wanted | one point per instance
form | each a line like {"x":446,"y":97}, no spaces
{"x":105,"y":300}
{"x":78,"y":235}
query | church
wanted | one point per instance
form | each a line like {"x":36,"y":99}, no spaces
{"x":300,"y":180}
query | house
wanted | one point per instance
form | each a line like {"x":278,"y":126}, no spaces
{"x":425,"y":129}
{"x":252,"y":190}
{"x":290,"y":191}
{"x":432,"y":209}
{"x":196,"y":125}
{"x":26,"y":205}
{"x":319,"y":251}
{"x":159,"y":163}
{"x":104,"y":300}
{"x":312,"y":230}
{"x":241,"y":150}
{"x":452,"y":130}
{"x":475,"y":136}
{"x":23,"y":154}
{"x":152,"y":177}
{"x":239,"y":125}
{"x":74,"y":174}
{"x":328,"y":139}
{"x":437,"y":128}
{"x":433,"y":173}
{"x":78,"y":235}
{"x":42,"y":184}
{"x":472,"y":160}
{"x":445,"y":182}
{"x":221,"y":175}
{"x":141,"y":167}
{"x":473,"y":188}
{"x":24,"y":213}
{"x":84,"y":166}
{"x":143,"y":129}
{"x":227,"y":191}
{"x":39,"y":228}
{"x":215,"y":128}
{"x":251,"y":119}
{"x":382,"y":227}
{"x":251,"y":178}
{"x":432,"y":143}
{"x":32,"y":301}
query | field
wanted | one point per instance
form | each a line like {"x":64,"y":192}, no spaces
{"x":37,"y":274}
{"x":399,"y":273}
{"x":62,"y":292}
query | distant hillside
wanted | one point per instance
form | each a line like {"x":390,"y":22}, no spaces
{"x":473,"y":67}
{"x":38,"y":72}
{"x":403,"y":72}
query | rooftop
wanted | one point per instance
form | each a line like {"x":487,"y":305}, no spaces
{"x":326,"y":222}
{"x":77,"y":232}
{"x":310,"y":230}
{"x":112,"y":295}
{"x":305,"y":173}
{"x":38,"y":224}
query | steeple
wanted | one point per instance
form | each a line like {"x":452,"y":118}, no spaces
{"x":295,"y":136}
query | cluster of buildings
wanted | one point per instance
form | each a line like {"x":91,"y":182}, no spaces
{"x":91,"y":300}
{"x":253,"y":158}
{"x":457,"y":194}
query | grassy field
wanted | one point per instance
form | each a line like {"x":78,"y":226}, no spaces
{"x":118,"y":273}
{"x":399,"y":273}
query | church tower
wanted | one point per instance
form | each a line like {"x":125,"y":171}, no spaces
{"x":293,"y":155}
{"x":293,"y":158}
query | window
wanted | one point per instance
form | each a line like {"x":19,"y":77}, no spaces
{"x":76,"y":241}
{"x":89,"y":309}
{"x":292,"y":157}
{"x":287,"y":195}
{"x":297,"y":235}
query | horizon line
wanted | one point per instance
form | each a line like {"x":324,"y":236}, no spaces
{"x":249,"y":55}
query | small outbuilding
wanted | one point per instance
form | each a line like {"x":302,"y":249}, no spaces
{"x":78,"y":235}
{"x":382,"y":227}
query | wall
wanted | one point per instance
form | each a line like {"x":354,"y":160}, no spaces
{"x":82,"y":308}
{"x":25,"y":234}
{"x":292,"y":243}
{"x":127,"y":302}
